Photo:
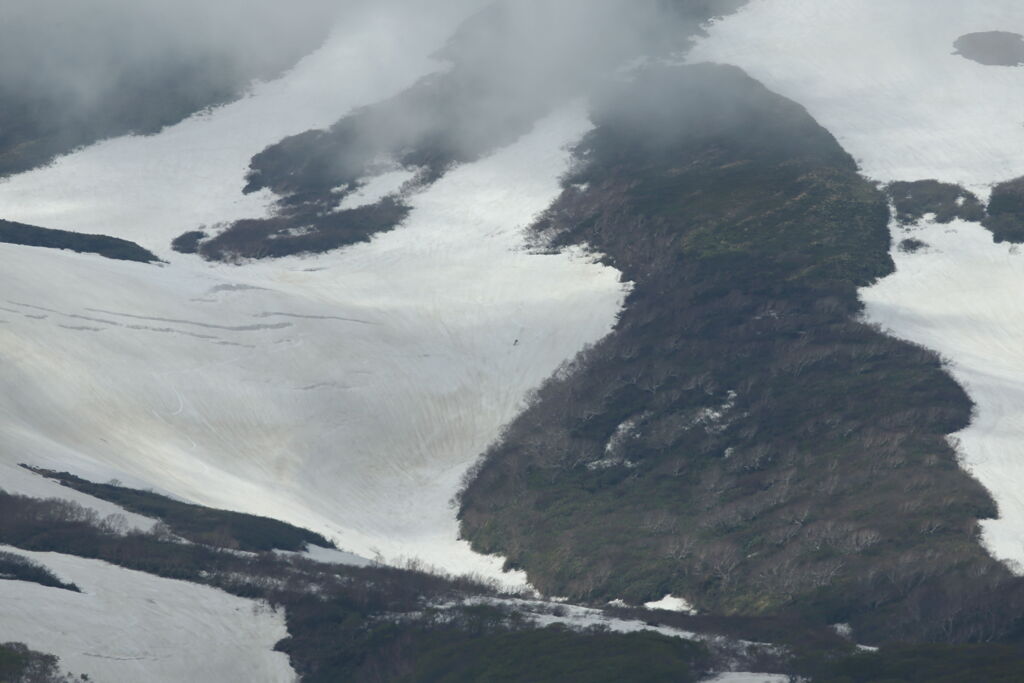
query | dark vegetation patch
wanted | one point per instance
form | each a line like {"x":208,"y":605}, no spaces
{"x":20,"y":568}
{"x":1004,"y":215}
{"x":912,"y":245}
{"x":306,"y":229}
{"x":19,"y":664}
{"x":927,"y":663}
{"x":188,"y":242}
{"x":557,"y":654}
{"x":375,"y":623}
{"x":740,"y":439}
{"x":947,"y":201}
{"x":494,"y":92}
{"x":992,"y":48}
{"x":382,"y":624}
{"x":111,"y":247}
{"x":218,"y":528}
{"x":1006,"y":212}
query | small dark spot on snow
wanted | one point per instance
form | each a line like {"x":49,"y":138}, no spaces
{"x":912,"y":245}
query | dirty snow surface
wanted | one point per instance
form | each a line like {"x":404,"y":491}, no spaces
{"x":348,"y":392}
{"x":126,"y":626}
{"x":884,"y":79}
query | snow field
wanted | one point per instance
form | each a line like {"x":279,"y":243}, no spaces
{"x":127,"y":626}
{"x":882,"y":78}
{"x":346,"y":392}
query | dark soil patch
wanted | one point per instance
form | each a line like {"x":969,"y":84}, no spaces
{"x":20,"y":568}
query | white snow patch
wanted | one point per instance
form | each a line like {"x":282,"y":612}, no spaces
{"x":129,"y":626}
{"x":882,"y":78}
{"x":672,"y":604}
{"x":346,"y":393}
{"x":961,"y":298}
{"x":376,"y":188}
{"x":329,"y":556}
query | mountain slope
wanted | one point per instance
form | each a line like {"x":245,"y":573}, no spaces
{"x":740,"y":439}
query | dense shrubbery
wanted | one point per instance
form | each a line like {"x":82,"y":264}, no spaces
{"x":188,"y":242}
{"x":21,"y":568}
{"x":220,"y":528}
{"x":111,"y":247}
{"x":384,"y":624}
{"x":304,"y":228}
{"x":18,"y":664}
{"x":1006,"y":211}
{"x":555,"y":655}
{"x":946,"y":201}
{"x":351,"y":623}
{"x":926,"y":663}
{"x":741,"y":439}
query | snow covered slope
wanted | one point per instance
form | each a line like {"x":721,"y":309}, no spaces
{"x":347,"y":393}
{"x":961,"y":296}
{"x":126,"y":626}
{"x":15,"y":479}
{"x":882,"y":77}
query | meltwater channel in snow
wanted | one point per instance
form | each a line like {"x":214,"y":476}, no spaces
{"x":884,"y":79}
{"x":347,"y":392}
